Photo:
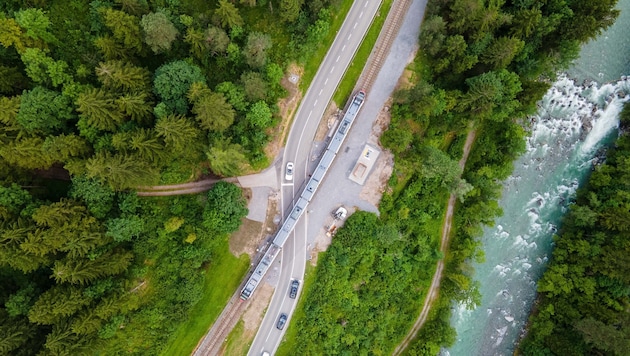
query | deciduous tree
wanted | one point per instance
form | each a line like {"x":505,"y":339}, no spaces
{"x":255,"y":50}
{"x":172,"y":82}
{"x":36,"y":24}
{"x":225,"y":208}
{"x":44,"y":110}
{"x":259,"y":115}
{"x":255,"y":86}
{"x":159,"y":31}
{"x":216,"y":40}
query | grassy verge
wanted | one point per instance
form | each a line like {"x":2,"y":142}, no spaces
{"x":311,"y":67}
{"x":290,"y":337}
{"x":353,"y":72}
{"x":227,"y":272}
{"x":237,"y":342}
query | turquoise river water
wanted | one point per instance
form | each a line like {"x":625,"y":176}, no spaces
{"x":576,"y":118}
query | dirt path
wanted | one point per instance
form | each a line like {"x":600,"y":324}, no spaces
{"x":178,"y":189}
{"x":437,"y":277}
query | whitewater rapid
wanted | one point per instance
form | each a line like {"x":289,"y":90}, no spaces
{"x":574,"y":121}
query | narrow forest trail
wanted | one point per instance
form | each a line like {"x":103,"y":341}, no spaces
{"x":183,"y":188}
{"x":437,"y":276}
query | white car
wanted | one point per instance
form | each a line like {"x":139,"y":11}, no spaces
{"x":340,"y":213}
{"x":288,"y":174}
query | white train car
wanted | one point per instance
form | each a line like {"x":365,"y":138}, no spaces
{"x":305,"y":197}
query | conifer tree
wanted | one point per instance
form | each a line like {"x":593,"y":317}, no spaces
{"x":11,"y":80}
{"x":227,"y":160}
{"x":177,"y":131}
{"x":134,"y":7}
{"x":137,"y":106}
{"x":61,"y":148}
{"x":196,"y":39}
{"x":125,"y":28}
{"x":212,"y":110}
{"x":56,"y":303}
{"x":111,"y":49}
{"x":26,"y":153}
{"x":228,"y":15}
{"x":99,"y":108}
{"x":121,"y":171}
{"x":146,"y":144}
{"x":123,"y":75}
{"x":14,"y":333}
{"x":84,"y":270}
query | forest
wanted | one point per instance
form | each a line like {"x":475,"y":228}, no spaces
{"x":584,"y":296}
{"x":98,"y":98}
{"x":482,"y":66}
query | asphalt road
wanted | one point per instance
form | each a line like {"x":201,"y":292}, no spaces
{"x":292,"y":260}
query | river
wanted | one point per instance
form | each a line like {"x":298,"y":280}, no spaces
{"x":576,"y":118}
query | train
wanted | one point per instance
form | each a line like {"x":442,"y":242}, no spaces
{"x":305,"y":196}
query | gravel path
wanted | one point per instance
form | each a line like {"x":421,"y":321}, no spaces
{"x":437,"y":276}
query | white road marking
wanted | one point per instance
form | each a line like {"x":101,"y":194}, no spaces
{"x":287,"y":184}
{"x":320,"y":91}
{"x":367,"y":2}
{"x":355,"y":25}
{"x":315,"y":103}
{"x":361,"y":14}
{"x":331,"y":69}
{"x":309,"y":115}
{"x":326,"y":82}
{"x":337,"y":59}
{"x":350,"y":35}
{"x":344,"y":48}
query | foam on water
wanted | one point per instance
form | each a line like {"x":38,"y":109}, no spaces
{"x":569,"y":128}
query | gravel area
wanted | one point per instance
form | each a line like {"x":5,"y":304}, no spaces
{"x":373,"y":117}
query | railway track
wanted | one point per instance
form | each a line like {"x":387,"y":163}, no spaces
{"x":383,"y":44}
{"x":214,"y":339}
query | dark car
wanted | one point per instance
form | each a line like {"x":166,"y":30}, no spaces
{"x":295,"y":284}
{"x":281,"y":321}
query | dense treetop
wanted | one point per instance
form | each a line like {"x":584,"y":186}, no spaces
{"x":98,"y":98}
{"x":584,"y":295}
{"x":482,"y":65}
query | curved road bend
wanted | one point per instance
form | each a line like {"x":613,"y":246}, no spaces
{"x":292,"y":260}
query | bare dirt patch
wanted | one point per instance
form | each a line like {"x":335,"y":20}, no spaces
{"x":287,"y":106}
{"x":406,"y":80}
{"x":257,"y":306}
{"x":332,"y":114}
{"x":322,"y":241}
{"x":246,"y":238}
{"x":377,"y":181}
{"x":243,"y":334}
{"x":251,"y":233}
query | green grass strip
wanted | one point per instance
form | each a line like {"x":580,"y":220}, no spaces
{"x":349,"y":80}
{"x":312,"y":65}
{"x":290,"y":337}
{"x":223,"y":277}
